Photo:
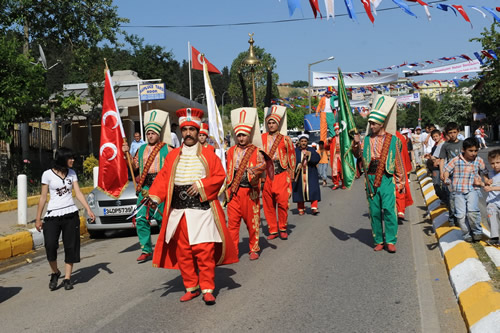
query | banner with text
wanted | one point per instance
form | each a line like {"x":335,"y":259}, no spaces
{"x":462,"y":67}
{"x":408,"y":98}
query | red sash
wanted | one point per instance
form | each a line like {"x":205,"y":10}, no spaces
{"x":275,"y":145}
{"x":383,"y":160}
{"x":241,"y":170}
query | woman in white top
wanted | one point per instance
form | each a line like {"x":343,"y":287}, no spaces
{"x":61,"y":216}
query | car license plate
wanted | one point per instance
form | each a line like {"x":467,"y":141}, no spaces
{"x":119,"y":210}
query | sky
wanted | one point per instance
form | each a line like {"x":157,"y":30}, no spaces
{"x":394,"y":38}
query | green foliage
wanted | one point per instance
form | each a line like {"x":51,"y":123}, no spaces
{"x":299,"y":84}
{"x":408,"y":116}
{"x":22,"y":87}
{"x":88,"y":165}
{"x":267,"y":61}
{"x":295,"y":92}
{"x":456,"y":108}
{"x":360,"y":122}
{"x":486,"y":95}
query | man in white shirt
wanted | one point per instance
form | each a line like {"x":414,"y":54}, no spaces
{"x":175,"y":139}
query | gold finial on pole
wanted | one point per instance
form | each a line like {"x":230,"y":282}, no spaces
{"x":106,"y":64}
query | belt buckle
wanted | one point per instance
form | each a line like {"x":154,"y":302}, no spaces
{"x":183,"y":195}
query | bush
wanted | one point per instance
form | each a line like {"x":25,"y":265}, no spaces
{"x":88,"y":165}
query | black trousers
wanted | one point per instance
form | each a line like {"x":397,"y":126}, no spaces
{"x":69,"y":225}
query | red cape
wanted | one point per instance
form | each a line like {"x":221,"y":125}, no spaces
{"x":162,"y":189}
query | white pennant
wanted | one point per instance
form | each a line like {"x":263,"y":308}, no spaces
{"x":474,"y":7}
{"x":375,"y":4}
{"x":330,"y":9}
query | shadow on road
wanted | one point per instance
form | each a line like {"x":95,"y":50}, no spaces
{"x":263,"y":244}
{"x":8,"y":292}
{"x":223,"y":280}
{"x":362,"y":235}
{"x":132,"y":248}
{"x":84,"y":275}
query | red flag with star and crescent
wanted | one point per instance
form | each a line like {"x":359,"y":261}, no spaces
{"x":197,"y":62}
{"x":113,"y":176}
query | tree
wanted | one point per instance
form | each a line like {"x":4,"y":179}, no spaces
{"x":456,"y":108}
{"x":486,"y":95}
{"x":299,"y":84}
{"x":267,"y":61}
{"x":22,"y":87}
{"x":408,"y":114}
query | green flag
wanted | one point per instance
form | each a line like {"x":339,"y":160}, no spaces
{"x":347,"y":128}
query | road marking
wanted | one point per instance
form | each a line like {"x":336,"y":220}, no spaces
{"x":428,"y":312}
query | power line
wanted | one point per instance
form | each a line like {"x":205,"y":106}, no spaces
{"x":253,"y":23}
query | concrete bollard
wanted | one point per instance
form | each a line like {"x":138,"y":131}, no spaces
{"x":22,"y":199}
{"x":96,"y":175}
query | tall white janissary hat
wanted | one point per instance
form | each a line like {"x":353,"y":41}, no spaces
{"x":246,"y":121}
{"x":384,"y":112}
{"x":158,"y":121}
{"x":278,"y":114}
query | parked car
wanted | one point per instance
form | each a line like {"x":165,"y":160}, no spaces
{"x":111,"y":214}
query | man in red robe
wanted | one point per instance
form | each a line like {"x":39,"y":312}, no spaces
{"x":194,"y":238}
{"x":277,"y":191}
{"x":245,"y":166}
{"x":404,"y":198}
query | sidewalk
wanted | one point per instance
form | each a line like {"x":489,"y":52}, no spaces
{"x":16,"y":239}
{"x":478,"y":299}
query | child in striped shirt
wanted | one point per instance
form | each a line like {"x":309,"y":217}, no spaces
{"x":466,"y":169}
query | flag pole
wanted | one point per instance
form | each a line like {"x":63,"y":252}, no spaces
{"x":127,"y":154}
{"x":189,"y":62}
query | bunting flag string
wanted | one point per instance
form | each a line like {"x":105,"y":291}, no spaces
{"x":371,"y":6}
{"x":490,"y":54}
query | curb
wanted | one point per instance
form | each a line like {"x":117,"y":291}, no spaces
{"x":9,"y":205}
{"x":26,"y":241}
{"x":478,"y":301}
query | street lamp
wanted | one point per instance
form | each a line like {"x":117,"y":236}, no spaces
{"x":309,"y":77}
{"x":252,"y":61}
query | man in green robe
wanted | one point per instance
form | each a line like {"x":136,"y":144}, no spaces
{"x":382,"y":163}
{"x":148,"y":161}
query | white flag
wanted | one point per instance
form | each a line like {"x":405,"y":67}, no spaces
{"x":214,"y":119}
{"x":375,"y":4}
{"x":330,"y":9}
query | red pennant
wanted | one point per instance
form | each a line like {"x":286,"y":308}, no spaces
{"x":315,"y":8}
{"x":466,"y":57}
{"x":498,"y":9}
{"x":113,"y":176}
{"x":461,"y":10}
{"x":419,"y":1}
{"x":368,"y":9}
{"x":465,"y":77}
{"x":197,"y":61}
{"x":487,"y":54}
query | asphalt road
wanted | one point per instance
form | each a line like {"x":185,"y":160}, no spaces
{"x":324,"y":278}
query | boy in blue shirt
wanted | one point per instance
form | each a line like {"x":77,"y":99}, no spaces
{"x":493,"y":199}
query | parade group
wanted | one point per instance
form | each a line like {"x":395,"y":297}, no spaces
{"x":182,"y":188}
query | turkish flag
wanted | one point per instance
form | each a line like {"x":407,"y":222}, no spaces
{"x":461,"y":10}
{"x":113,"y":176}
{"x":368,"y":9}
{"x":197,"y":61}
